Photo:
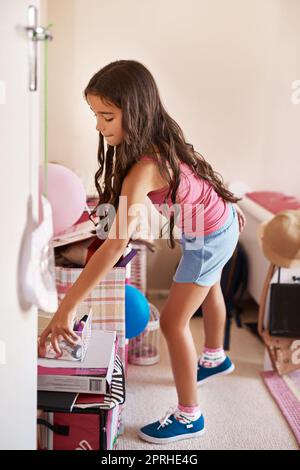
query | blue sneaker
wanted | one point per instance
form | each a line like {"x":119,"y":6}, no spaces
{"x":204,"y":374}
{"x":169,"y":429}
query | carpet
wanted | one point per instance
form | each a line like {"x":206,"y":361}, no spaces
{"x":239,"y":411}
{"x":286,"y":392}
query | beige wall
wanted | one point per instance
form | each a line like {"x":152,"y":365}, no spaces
{"x":224,"y":69}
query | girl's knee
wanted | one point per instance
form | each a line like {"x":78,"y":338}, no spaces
{"x":169,"y":326}
{"x":214,"y":296}
{"x":165,"y":323}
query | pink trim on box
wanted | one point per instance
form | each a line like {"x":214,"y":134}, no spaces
{"x":70,"y":371}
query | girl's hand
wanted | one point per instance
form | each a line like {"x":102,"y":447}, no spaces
{"x":61,"y":325}
{"x":241,"y":218}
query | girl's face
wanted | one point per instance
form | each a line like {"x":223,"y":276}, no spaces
{"x":109,"y":119}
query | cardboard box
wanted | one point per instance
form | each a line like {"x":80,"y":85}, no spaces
{"x":92,"y":375}
{"x":73,"y":352}
{"x":92,"y":422}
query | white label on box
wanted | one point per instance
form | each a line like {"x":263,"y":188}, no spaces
{"x":60,"y":383}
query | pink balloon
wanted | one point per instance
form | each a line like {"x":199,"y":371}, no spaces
{"x":66,"y":195}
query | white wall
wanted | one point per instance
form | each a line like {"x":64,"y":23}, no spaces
{"x":224,"y":70}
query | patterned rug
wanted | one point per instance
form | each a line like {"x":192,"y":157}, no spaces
{"x":286,"y":392}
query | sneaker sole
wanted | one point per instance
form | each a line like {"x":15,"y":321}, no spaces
{"x":224,"y":372}
{"x":156,"y":440}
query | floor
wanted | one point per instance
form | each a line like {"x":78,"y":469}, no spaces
{"x":238,"y":409}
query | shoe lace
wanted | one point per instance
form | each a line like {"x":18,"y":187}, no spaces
{"x":165,"y":421}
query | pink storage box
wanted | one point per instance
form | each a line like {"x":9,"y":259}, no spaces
{"x":73,"y":431}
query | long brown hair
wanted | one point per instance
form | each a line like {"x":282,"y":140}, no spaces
{"x":147,"y":126}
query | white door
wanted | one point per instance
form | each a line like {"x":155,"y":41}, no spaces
{"x":19,"y":157}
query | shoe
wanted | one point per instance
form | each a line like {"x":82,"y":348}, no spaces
{"x":169,"y":429}
{"x":204,"y":374}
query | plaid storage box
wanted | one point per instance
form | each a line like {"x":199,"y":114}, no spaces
{"x":107,"y":301}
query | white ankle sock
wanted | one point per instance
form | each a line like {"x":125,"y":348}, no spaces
{"x":185,"y":414}
{"x":212,"y":357}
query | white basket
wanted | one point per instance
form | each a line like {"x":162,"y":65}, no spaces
{"x":144,"y":349}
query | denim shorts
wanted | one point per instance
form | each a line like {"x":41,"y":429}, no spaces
{"x":203,"y":258}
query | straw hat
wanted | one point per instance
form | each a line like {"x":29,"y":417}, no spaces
{"x":280,"y":239}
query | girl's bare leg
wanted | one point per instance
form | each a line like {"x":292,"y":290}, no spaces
{"x":214,"y":317}
{"x":183,"y":301}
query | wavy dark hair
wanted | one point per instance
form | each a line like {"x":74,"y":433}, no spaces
{"x":147,"y":126}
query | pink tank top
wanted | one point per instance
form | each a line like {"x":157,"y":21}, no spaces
{"x":202,"y":210}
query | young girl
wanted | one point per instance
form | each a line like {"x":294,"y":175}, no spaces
{"x":147,"y":156}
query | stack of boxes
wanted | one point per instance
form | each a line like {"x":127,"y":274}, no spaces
{"x":106,"y":302}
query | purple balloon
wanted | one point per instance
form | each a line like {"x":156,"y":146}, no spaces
{"x":66,"y":195}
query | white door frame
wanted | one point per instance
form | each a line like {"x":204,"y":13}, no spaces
{"x":19,"y":159}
